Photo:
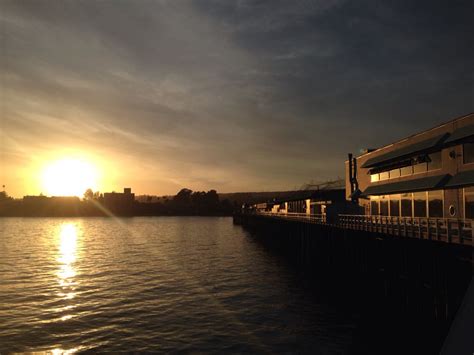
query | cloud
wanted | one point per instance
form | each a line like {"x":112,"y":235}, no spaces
{"x":235,"y":95}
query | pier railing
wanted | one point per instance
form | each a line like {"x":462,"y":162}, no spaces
{"x":450,"y":230}
{"x":458,"y":231}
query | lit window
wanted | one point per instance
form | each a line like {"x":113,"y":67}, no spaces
{"x":420,"y":168}
{"x":374,"y":177}
{"x":419,"y":204}
{"x":384,"y":176}
{"x":394,"y":173}
{"x":406,"y":205}
{"x":406,"y":170}
{"x":435,"y":203}
{"x":469,"y":202}
{"x":384,"y":205}
{"x":394,"y":205}
{"x":468,"y":153}
{"x":374,"y":205}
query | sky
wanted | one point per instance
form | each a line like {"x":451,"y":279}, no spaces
{"x":227,"y":95}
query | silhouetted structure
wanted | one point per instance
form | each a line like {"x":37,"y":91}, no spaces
{"x":186,"y":202}
{"x":120,"y":203}
{"x":43,"y":206}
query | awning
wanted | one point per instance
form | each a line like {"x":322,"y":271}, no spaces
{"x":413,"y":185}
{"x":461,"y":133}
{"x":405,"y":151}
{"x":464,"y":178}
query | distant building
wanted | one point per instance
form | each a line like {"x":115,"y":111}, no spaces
{"x":118,"y":202}
{"x":50,"y":206}
{"x":430,"y":174}
{"x":29,"y":198}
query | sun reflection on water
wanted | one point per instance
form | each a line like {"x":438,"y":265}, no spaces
{"x":67,"y":254}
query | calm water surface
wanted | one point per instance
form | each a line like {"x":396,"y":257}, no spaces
{"x":154,"y":284}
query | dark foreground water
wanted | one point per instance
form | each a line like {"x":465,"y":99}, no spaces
{"x":155,"y":284}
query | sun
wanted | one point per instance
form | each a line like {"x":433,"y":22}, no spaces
{"x":69,"y":177}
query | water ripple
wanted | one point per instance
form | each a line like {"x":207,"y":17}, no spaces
{"x":153,"y":284}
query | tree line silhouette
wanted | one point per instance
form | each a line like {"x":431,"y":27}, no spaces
{"x":185,"y":203}
{"x":189,"y":203}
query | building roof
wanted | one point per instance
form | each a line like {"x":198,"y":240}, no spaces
{"x":464,"y":178}
{"x":461,"y":133}
{"x":405,"y":151}
{"x":418,"y":134}
{"x":413,"y":185}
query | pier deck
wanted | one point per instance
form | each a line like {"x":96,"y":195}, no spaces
{"x":449,"y":230}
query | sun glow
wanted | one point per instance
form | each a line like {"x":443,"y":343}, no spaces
{"x":69,"y":177}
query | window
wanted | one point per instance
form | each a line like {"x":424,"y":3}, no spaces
{"x":420,"y":168}
{"x":434,"y":161}
{"x":384,"y":176}
{"x":406,"y":170}
{"x":419,"y":204}
{"x":435,"y":203}
{"x":374,"y":205}
{"x":394,"y":173}
{"x":395,"y":205}
{"x":468,"y":153}
{"x":406,"y":207}
{"x":384,"y":205}
{"x":469,"y":202}
{"x":374,"y":177}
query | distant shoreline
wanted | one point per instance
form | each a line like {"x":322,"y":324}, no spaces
{"x":114,"y":216}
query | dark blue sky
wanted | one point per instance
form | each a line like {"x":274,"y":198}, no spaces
{"x":231,"y":95}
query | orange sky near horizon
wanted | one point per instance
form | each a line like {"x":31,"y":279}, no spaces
{"x":61,"y":173}
{"x":64,"y":173}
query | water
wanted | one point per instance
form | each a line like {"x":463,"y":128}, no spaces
{"x":155,"y":284}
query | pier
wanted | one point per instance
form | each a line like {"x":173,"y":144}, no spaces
{"x":404,"y":275}
{"x":448,"y":230}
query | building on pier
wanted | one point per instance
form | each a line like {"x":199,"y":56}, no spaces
{"x":429,"y":174}
{"x":327,"y":203}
